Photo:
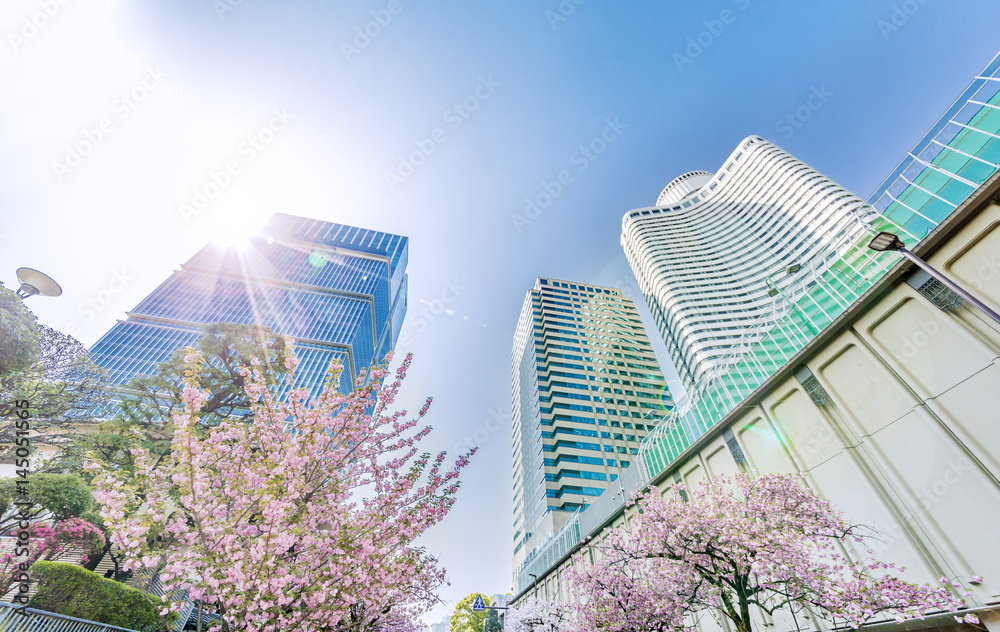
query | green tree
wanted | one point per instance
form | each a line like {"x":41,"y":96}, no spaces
{"x":492,"y":623}
{"x":18,"y":334}
{"x":144,"y":420}
{"x":64,"y":388}
{"x":465,"y":619}
{"x":145,"y":417}
{"x":227,"y":348}
{"x":57,"y":496}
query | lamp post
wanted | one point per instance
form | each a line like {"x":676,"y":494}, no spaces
{"x":773,"y":288}
{"x":650,"y":412}
{"x":34,"y":282}
{"x":884,"y":241}
{"x":534,"y":585}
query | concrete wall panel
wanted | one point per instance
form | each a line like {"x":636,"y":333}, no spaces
{"x":860,"y":387}
{"x":763,"y":447}
{"x":840,"y":480}
{"x":978,"y":266}
{"x":973,"y":408}
{"x":928,"y":347}
{"x":807,"y":434}
{"x":720,"y":461}
{"x":946,"y":488}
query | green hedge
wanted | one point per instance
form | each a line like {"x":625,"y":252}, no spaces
{"x":76,"y":592}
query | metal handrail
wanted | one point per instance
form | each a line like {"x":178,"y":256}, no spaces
{"x":14,"y":619}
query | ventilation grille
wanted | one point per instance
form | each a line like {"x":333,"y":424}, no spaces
{"x":944,"y":299}
{"x":815,"y":390}
{"x":812,"y":387}
{"x":678,"y":479}
{"x":734,"y":447}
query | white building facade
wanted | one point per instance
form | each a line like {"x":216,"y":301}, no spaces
{"x":710,"y":256}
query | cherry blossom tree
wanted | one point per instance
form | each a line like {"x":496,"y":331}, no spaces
{"x":741,"y":543}
{"x":302,"y":519}
{"x":538,"y":616}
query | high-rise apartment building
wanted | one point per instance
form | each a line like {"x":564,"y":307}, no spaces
{"x":338,"y":291}
{"x":586,"y":390}
{"x":716,"y":250}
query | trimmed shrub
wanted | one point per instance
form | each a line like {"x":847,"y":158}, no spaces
{"x":73,"y":591}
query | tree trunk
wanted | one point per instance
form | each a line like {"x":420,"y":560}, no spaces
{"x":96,"y":558}
{"x":744,"y":615}
{"x":742,"y":623}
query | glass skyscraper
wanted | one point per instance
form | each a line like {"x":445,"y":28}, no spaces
{"x":586,"y":389}
{"x":338,"y":291}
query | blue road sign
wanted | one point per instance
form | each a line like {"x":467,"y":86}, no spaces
{"x":479,"y":606}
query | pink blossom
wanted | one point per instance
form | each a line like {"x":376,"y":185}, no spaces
{"x":734,"y":544}
{"x":298,"y":530}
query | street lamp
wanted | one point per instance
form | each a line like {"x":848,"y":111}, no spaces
{"x":534,"y":584}
{"x":34,"y":282}
{"x":774,"y":291}
{"x":884,"y":241}
{"x":650,"y":412}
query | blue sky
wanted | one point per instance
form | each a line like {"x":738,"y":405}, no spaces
{"x":492,"y":99}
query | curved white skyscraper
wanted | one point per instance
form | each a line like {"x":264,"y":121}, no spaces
{"x":716,"y":249}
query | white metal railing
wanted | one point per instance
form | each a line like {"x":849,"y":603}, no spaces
{"x":13,"y":619}
{"x":142,"y":581}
